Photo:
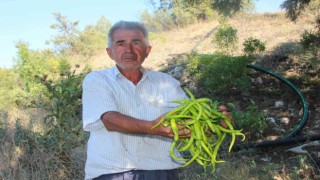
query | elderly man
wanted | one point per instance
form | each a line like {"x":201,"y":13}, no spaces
{"x":121,"y":104}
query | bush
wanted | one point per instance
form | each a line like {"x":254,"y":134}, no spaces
{"x":252,"y":120}
{"x":64,"y":129}
{"x":10,"y":88}
{"x":253,"y":45}
{"x":219,"y":73}
{"x":310,"y":40}
{"x":226,"y":38}
{"x":47,"y":148}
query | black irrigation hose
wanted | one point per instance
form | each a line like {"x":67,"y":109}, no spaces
{"x":278,"y":142}
{"x":305,"y":114}
{"x":291,"y":137}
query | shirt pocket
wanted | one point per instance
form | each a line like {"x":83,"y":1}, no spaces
{"x":150,"y":111}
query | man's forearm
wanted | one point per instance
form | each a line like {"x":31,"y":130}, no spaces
{"x":115,"y":121}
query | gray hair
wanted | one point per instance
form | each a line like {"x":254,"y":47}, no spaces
{"x":128,"y":25}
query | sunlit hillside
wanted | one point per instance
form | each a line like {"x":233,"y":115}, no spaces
{"x":41,"y":121}
{"x":273,"y":29}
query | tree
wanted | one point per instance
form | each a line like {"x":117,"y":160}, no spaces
{"x":92,"y":39}
{"x":103,"y":25}
{"x":230,"y":7}
{"x":32,"y":65}
{"x":68,"y":33}
{"x":294,"y":7}
{"x":169,"y":14}
{"x":70,"y":41}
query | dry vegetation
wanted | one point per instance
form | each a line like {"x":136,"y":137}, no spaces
{"x":280,"y":35}
{"x":273,"y":29}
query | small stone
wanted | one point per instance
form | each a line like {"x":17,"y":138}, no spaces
{"x":271,"y":120}
{"x":279,"y":104}
{"x":177,"y":72}
{"x":266,"y":159}
{"x":285,"y":120}
{"x":293,"y":114}
{"x":259,"y":80}
{"x":277,"y":129}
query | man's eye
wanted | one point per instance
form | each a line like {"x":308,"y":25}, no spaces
{"x":120,"y":44}
{"x":136,"y":42}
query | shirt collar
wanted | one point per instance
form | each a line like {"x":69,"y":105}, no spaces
{"x":116,"y":73}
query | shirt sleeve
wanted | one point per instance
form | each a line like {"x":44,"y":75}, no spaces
{"x":97,"y":98}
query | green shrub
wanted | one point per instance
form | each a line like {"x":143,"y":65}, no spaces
{"x":226,"y":38}
{"x":310,"y":40}
{"x":11,"y":91}
{"x":45,"y":148}
{"x":219,"y":73}
{"x":31,"y":65}
{"x":251,"y":120}
{"x":310,"y":43}
{"x":64,"y":129}
{"x":253,"y":45}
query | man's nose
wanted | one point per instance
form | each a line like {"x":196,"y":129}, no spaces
{"x":129,"y":47}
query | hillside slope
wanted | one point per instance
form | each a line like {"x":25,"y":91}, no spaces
{"x":273,"y":29}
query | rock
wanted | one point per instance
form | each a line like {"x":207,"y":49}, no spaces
{"x":279,"y":104}
{"x":271,"y":120}
{"x":278,"y":129}
{"x":259,"y":80}
{"x":177,"y":72}
{"x":285,"y":120}
{"x":293,"y":114}
{"x":266,"y":159}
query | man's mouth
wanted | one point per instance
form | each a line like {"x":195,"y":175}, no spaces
{"x":129,"y":57}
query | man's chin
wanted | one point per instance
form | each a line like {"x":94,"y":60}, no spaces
{"x":129,"y":66}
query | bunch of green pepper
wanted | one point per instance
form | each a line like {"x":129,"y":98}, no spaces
{"x":203,"y":119}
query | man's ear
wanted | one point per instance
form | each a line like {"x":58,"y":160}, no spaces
{"x":109,"y":52}
{"x":148,"y":50}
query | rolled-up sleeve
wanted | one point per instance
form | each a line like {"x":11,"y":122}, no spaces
{"x":97,"y":98}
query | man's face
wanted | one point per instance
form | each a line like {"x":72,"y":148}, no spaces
{"x":128,"y":49}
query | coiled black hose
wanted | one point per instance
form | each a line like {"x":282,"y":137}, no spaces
{"x":291,"y":136}
{"x":305,"y":114}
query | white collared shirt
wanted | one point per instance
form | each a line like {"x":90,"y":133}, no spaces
{"x":112,"y":152}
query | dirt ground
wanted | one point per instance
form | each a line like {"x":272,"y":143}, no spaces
{"x":295,"y":123}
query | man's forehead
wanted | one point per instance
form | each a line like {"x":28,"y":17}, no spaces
{"x":127,"y":33}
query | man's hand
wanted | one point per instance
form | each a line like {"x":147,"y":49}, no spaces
{"x":224,"y":110}
{"x":168,"y":130}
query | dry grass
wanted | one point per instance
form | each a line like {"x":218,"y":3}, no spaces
{"x":23,"y":156}
{"x":19,"y":162}
{"x":273,"y":29}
